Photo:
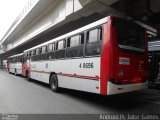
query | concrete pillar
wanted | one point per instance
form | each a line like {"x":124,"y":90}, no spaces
{"x":2,"y":48}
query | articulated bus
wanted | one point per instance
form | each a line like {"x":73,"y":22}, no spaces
{"x":15,"y":64}
{"x":106,"y":57}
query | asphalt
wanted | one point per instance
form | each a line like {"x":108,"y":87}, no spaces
{"x":19,"y":96}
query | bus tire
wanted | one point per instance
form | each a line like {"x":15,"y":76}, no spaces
{"x":15,"y":72}
{"x":27,"y":76}
{"x":53,"y":82}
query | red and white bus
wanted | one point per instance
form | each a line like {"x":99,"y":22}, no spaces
{"x":106,"y":57}
{"x":15,"y":64}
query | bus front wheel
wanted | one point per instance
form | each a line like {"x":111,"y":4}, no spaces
{"x":15,"y":72}
{"x":27,"y":76}
{"x":54,"y":83}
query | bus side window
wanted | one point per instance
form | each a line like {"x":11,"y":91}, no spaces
{"x":60,"y":45}
{"x":15,"y":60}
{"x":92,"y":36}
{"x":18,"y":60}
{"x":44,"y":49}
{"x":51,"y":48}
{"x":21,"y":59}
{"x":94,"y":42}
{"x":75,"y":45}
{"x":60,"y":49}
{"x":37,"y":57}
{"x":33,"y":55}
{"x":28,"y":55}
{"x":44,"y":53}
{"x":37,"y":51}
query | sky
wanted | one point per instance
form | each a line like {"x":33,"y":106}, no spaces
{"x":9,"y":10}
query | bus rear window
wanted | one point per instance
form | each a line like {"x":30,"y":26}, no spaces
{"x":130,"y":36}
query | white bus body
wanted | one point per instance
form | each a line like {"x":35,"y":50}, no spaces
{"x":15,"y":64}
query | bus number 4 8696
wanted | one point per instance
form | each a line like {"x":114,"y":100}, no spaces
{"x":86,"y":65}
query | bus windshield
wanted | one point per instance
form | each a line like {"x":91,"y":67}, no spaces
{"x":130,"y":36}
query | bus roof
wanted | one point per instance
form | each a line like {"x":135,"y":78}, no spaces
{"x":16,"y":55}
{"x":94,"y":24}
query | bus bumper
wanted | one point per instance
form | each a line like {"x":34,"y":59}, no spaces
{"x":116,"y":89}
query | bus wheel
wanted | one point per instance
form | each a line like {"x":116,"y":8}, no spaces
{"x":54,"y":83}
{"x":15,"y":72}
{"x":27,"y":76}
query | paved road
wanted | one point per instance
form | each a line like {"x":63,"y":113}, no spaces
{"x":19,"y":96}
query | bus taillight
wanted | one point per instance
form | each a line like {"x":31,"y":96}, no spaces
{"x":118,"y":81}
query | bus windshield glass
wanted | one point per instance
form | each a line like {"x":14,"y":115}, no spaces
{"x":130,"y":36}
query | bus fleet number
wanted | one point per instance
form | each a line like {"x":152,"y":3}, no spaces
{"x":86,"y":65}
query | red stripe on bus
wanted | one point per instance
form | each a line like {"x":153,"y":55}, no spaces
{"x":15,"y":68}
{"x":80,"y":76}
{"x":18,"y":69}
{"x":70,"y":75}
{"x":39,"y":71}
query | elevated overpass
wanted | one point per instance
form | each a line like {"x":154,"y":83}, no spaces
{"x":42,"y":20}
{"x":48,"y":15}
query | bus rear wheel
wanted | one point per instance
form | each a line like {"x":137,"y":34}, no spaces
{"x":54,"y":83}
